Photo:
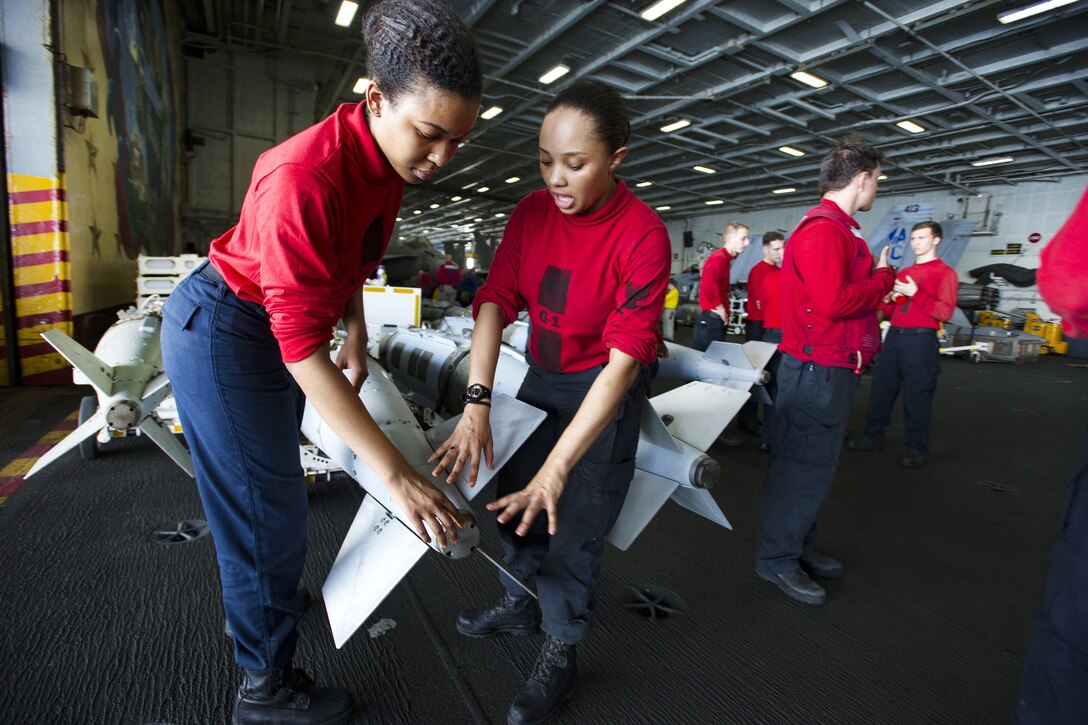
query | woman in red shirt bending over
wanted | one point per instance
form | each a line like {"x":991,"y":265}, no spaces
{"x":246,"y":335}
{"x":591,"y":264}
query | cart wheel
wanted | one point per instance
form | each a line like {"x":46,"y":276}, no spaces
{"x":975,"y":357}
{"x":88,"y":447}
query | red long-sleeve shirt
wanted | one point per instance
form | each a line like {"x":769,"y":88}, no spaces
{"x":714,"y":280}
{"x":772,"y":300}
{"x":755,"y":306}
{"x":315,"y":223}
{"x":591,"y":282}
{"x":830,"y":291}
{"x":934,"y":301}
{"x":1063,"y":269}
{"x":449,"y":273}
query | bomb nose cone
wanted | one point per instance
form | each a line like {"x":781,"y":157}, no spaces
{"x":123,"y":414}
{"x":705,"y":472}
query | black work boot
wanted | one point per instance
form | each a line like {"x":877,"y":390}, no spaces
{"x":287,"y":696}
{"x":511,"y":615}
{"x":550,"y":685}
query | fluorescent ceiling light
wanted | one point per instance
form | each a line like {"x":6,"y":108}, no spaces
{"x":663,"y":208}
{"x":644,"y":184}
{"x":992,"y":162}
{"x":882,"y":177}
{"x":347,"y":13}
{"x":469,"y":186}
{"x":1013,"y":15}
{"x":675,"y":125}
{"x":513,"y":180}
{"x":400,"y":219}
{"x":359,"y":87}
{"x":434,"y":206}
{"x":478,"y":219}
{"x":483,"y":189}
{"x":808,"y":79}
{"x":659,"y":8}
{"x":417,"y":211}
{"x":714,"y":202}
{"x":704,"y":170}
{"x":500,"y":215}
{"x":791,"y":151}
{"x":787,"y":190}
{"x":910,"y":126}
{"x":554,"y":74}
{"x":491,"y":113}
{"x":456,"y":198}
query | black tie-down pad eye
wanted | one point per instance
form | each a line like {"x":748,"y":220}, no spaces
{"x":180,"y":532}
{"x":654,"y":602}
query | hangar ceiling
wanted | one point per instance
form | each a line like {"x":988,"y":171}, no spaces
{"x":976,"y":89}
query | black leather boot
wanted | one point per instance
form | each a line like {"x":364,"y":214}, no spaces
{"x":550,"y":685}
{"x":511,"y":615}
{"x":287,"y":696}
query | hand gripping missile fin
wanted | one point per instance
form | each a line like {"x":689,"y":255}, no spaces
{"x":98,"y":373}
{"x":89,"y":428}
{"x":647,"y":494}
{"x":376,"y":554}
{"x":168,"y":442}
{"x":698,"y":411}
{"x":512,"y":422}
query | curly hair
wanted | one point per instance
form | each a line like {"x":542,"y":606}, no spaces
{"x":603,"y":104}
{"x":842,"y":163}
{"x":410,"y":42}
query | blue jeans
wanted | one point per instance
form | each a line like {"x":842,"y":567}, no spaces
{"x":562,"y":568}
{"x":812,"y":403}
{"x":241,"y":412}
{"x":909,"y":361}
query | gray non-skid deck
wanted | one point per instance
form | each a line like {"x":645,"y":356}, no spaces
{"x":945,"y":570}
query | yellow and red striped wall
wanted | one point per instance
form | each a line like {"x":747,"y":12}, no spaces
{"x":38,"y":214}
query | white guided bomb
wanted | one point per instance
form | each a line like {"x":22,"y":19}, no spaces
{"x":736,"y":366}
{"x":127,"y":375}
{"x":381,"y":545}
{"x":676,"y":430}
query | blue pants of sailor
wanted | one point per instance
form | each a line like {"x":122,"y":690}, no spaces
{"x":562,"y":568}
{"x":772,"y":335}
{"x":812,"y":404}
{"x":240,"y":410}
{"x":709,"y":328}
{"x":1054,"y":688}
{"x":909,"y":362}
{"x":748,"y":418}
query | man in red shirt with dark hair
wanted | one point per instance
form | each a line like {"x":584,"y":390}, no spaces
{"x":774,"y":244}
{"x":714,"y":287}
{"x":924,"y":296}
{"x":830,"y":292}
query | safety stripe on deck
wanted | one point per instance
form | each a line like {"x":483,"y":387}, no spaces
{"x":11,"y":475}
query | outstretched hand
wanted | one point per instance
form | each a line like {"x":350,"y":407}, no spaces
{"x":542,"y":493}
{"x":469,"y":439}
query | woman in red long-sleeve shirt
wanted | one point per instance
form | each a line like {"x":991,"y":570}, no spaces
{"x":591,"y":264}
{"x":246,"y":335}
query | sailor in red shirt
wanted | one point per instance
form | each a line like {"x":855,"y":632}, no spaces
{"x":924,"y":296}
{"x":830,"y":292}
{"x":772,"y":332}
{"x":246,"y":335}
{"x":448,"y":276}
{"x":773,"y":246}
{"x":590,"y":263}
{"x":714,"y":287}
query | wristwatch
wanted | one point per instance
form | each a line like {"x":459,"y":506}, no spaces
{"x":477,"y":394}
